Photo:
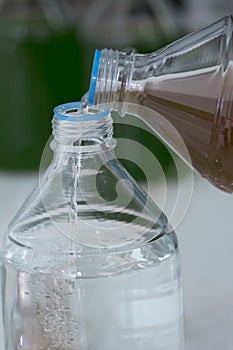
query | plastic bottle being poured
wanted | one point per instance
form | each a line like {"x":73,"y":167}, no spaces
{"x":188,"y":83}
{"x":90,"y":261}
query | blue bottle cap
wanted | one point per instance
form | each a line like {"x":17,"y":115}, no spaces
{"x":73,"y":111}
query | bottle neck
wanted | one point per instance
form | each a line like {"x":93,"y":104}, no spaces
{"x":118,"y":76}
{"x":115,"y":74}
{"x":76,"y":130}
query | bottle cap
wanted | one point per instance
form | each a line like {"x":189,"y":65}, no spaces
{"x":74,"y":111}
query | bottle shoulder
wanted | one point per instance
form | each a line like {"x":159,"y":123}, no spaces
{"x":94,"y":202}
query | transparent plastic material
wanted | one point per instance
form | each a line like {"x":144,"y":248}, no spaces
{"x":189,"y":83}
{"x":90,"y":262}
{"x":123,"y":24}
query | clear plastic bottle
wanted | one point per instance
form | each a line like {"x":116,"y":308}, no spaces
{"x":123,"y":24}
{"x":89,"y":261}
{"x":189,"y":83}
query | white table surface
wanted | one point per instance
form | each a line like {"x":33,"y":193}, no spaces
{"x":206,"y":244}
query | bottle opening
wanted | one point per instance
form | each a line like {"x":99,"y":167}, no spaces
{"x":75,"y":111}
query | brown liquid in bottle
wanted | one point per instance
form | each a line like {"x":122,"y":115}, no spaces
{"x":199,"y":106}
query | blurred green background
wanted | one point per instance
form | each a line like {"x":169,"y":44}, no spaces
{"x":46,"y":52}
